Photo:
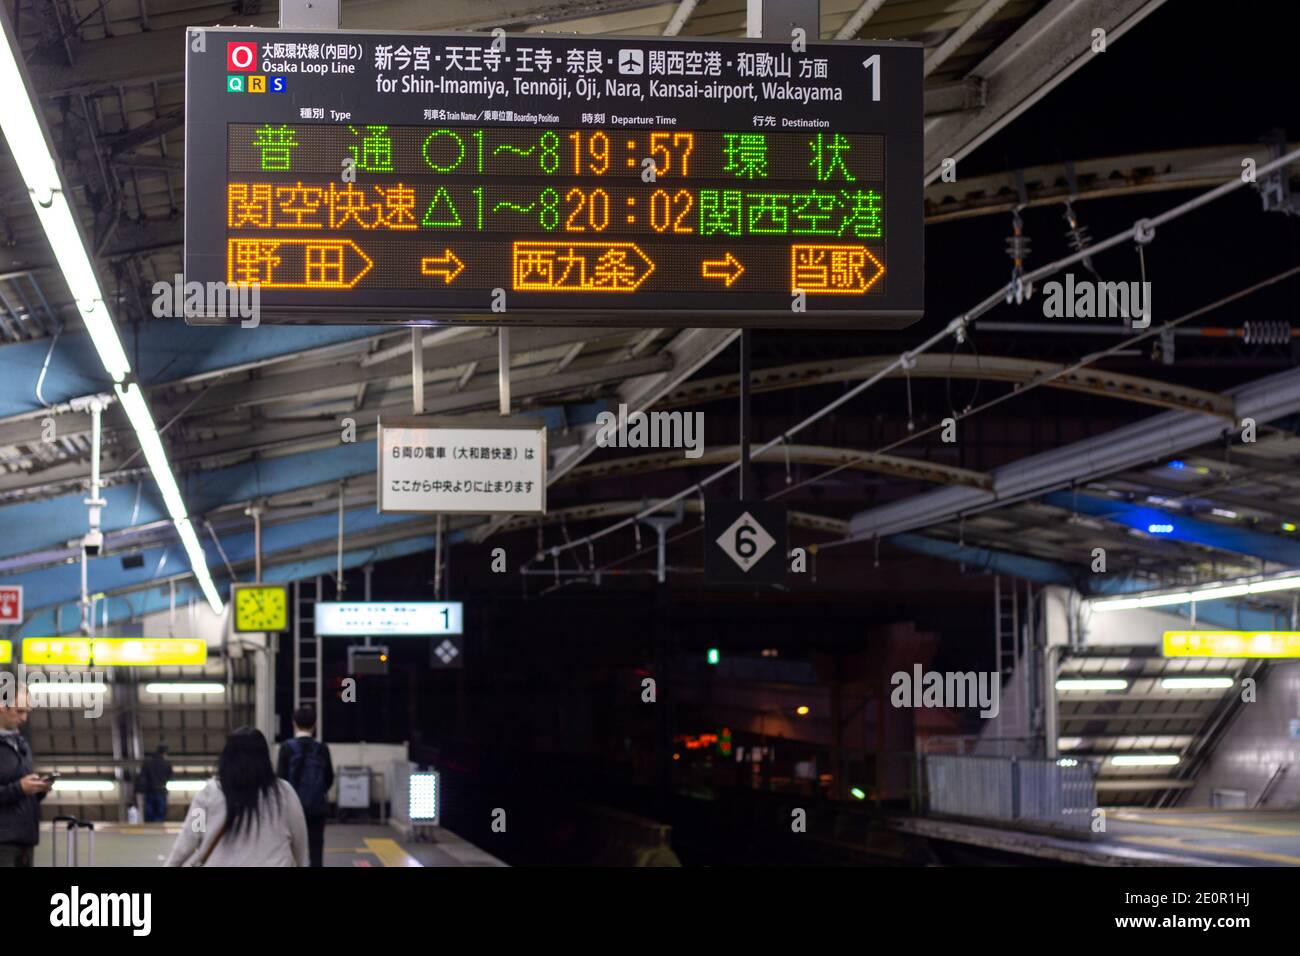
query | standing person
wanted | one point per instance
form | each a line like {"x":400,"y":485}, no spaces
{"x":21,"y":791}
{"x":245,"y":816}
{"x":305,"y":763}
{"x":152,"y":782}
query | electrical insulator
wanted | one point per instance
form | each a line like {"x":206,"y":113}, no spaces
{"x":1266,"y":333}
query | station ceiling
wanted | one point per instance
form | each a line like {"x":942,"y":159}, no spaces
{"x":256,"y":417}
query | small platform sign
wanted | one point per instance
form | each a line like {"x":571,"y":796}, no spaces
{"x":11,"y":604}
{"x":745,"y":542}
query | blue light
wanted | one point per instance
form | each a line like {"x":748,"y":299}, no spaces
{"x":1160,"y":529}
{"x":1177,"y":465}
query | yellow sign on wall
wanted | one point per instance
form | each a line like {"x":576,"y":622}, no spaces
{"x":6,"y":652}
{"x":1269,"y":644}
{"x":114,"y":651}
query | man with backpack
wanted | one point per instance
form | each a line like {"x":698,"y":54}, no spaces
{"x":306,"y":764}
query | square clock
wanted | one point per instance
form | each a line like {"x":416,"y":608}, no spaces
{"x":261,"y":607}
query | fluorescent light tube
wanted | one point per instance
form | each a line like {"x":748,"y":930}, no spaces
{"x":23,"y":131}
{"x":189,"y":687}
{"x":1195,"y":683}
{"x":83,"y":786}
{"x":1091,"y":683}
{"x":1145,"y":760}
{"x":66,"y":687}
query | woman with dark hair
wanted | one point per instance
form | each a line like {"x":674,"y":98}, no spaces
{"x":246,"y":815}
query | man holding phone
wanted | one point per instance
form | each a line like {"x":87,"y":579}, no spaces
{"x":21,"y":790}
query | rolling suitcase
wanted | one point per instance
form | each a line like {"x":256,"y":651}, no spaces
{"x":73,"y":845}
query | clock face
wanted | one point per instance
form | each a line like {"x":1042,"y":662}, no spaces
{"x":261,"y":608}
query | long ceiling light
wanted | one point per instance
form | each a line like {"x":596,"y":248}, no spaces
{"x":1211,"y":592}
{"x":30,"y":147}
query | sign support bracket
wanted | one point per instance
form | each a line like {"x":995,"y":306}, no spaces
{"x":310,"y":15}
{"x":417,"y":371}
{"x":503,"y":367}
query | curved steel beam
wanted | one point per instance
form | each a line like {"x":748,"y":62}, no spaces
{"x":1096,"y":178}
{"x":619,"y":509}
{"x":800,"y":454}
{"x":1092,"y":381}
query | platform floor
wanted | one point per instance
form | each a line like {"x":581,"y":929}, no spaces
{"x":1231,"y":837}
{"x":1144,"y":838}
{"x":346,"y":844}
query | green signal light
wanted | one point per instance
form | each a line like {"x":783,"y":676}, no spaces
{"x":713,"y":655}
{"x":859,"y":793}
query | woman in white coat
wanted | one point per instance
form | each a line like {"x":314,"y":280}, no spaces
{"x":246,"y":815}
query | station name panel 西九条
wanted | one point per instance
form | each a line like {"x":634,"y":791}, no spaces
{"x":634,"y":181}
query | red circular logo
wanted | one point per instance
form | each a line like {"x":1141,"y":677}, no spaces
{"x":241,"y":57}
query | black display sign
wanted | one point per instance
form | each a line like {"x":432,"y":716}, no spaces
{"x":744,"y":542}
{"x":556,"y":179}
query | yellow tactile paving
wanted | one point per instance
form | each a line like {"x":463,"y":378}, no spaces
{"x":1184,"y":846}
{"x":390,"y":853}
{"x":1202,"y":823}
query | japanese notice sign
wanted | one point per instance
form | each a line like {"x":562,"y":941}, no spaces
{"x":560,"y":179}
{"x":389,"y":618}
{"x":491,"y":469}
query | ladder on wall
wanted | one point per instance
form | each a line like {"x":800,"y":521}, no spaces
{"x":307,"y":674}
{"x":1014,"y":629}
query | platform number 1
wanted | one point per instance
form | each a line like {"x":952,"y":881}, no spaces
{"x":872,"y":63}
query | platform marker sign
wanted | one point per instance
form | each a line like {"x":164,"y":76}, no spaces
{"x":389,"y":618}
{"x":744,"y":542}
{"x":678,"y":182}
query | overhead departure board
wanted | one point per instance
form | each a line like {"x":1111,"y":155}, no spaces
{"x":364,"y":177}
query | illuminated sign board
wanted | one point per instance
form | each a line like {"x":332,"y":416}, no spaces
{"x":114,"y":651}
{"x":491,"y":469}
{"x":1267,"y":644}
{"x":382,"y":619}
{"x":561,"y":179}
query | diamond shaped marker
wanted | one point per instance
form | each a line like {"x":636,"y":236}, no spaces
{"x":446,"y":651}
{"x":745,"y":541}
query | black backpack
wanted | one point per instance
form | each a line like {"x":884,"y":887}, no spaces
{"x":309,"y":775}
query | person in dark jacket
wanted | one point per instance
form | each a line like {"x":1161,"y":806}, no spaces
{"x":152,"y":783}
{"x":305,"y":763}
{"x":21,"y":791}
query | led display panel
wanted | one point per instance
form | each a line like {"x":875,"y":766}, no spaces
{"x":370,"y":177}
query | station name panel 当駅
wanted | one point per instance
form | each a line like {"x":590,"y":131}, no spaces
{"x":551,"y":180}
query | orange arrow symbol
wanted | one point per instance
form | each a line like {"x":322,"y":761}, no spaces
{"x":728,"y":269}
{"x":448,"y":265}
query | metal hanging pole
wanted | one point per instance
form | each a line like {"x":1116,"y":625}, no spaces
{"x":368,"y":571}
{"x":92,"y":544}
{"x":437,"y":561}
{"x":254,"y":511}
{"x":309,"y":15}
{"x":339,"y":585}
{"x":746,"y":474}
{"x":417,"y":371}
{"x":503,"y":367}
